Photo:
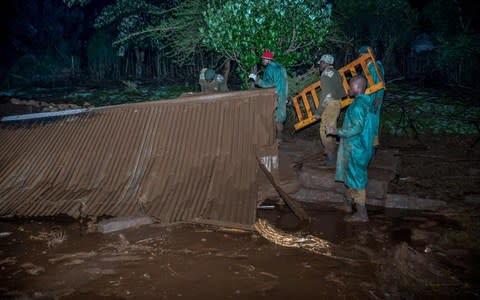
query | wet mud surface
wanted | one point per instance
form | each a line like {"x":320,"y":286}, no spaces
{"x":194,"y":261}
{"x":399,"y":254}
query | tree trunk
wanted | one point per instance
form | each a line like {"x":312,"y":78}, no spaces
{"x":139,"y":57}
{"x":157,"y":64}
{"x":126,"y":67}
{"x":226,"y":70}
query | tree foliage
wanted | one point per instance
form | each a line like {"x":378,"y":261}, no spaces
{"x":167,"y":25}
{"x":71,"y":3}
{"x":134,"y":21}
{"x":181,"y":31}
{"x":241,"y":30}
{"x":101,"y":55}
{"x":387,"y":26}
{"x":457,"y":53}
{"x":295,"y":30}
{"x":236,"y":30}
{"x":44,"y":38}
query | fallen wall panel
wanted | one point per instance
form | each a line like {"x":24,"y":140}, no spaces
{"x":185,"y":160}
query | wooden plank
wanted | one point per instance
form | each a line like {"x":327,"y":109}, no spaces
{"x":366,"y":73}
{"x":349,"y":68}
{"x":315,"y":98}
{"x":308,"y":109}
{"x":298,"y":111}
{"x":304,"y":123}
{"x":353,"y":71}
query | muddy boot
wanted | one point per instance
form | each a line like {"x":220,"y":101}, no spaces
{"x":359,"y":216}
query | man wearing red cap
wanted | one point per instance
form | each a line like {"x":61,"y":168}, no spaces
{"x":275,"y":76}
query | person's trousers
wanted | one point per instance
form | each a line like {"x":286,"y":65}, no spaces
{"x":329,"y":119}
{"x":359,"y":196}
{"x":279,"y":130}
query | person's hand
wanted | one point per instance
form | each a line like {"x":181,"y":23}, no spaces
{"x":203,"y":70}
{"x":253,"y":76}
{"x":331,"y":131}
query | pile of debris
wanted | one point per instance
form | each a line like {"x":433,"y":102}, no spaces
{"x":15,"y":106}
{"x":42,"y":106}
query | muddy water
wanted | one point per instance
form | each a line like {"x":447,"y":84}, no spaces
{"x":397,"y":255}
{"x":201,"y":262}
{"x":156,"y":262}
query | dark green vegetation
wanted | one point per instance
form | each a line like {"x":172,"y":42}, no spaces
{"x":49,"y":42}
{"x":413,"y":111}
{"x":112,"y":95}
{"x":408,"y":109}
{"x":162,"y":45}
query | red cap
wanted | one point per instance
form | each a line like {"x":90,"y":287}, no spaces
{"x":267,"y":55}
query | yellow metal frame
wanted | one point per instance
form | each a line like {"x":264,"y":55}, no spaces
{"x":306,"y":117}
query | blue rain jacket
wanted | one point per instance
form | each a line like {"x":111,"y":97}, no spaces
{"x":356,"y":143}
{"x":276,"y":76}
{"x":377,"y":97}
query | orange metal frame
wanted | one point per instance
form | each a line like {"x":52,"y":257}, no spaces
{"x":303,"y":102}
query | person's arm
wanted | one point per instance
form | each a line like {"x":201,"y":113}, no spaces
{"x":222,"y":85}
{"x":268,"y":79}
{"x":358,"y":119}
{"x":201,"y":80}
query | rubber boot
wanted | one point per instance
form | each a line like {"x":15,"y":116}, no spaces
{"x":359,"y":216}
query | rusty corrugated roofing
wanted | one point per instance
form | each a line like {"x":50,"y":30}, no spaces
{"x":183,"y":160}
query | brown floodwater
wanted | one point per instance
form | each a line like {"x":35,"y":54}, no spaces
{"x":61,"y":259}
{"x":399,"y":254}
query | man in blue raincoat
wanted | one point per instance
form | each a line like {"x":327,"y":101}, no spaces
{"x":275,"y":76}
{"x":377,"y":97}
{"x":356,"y":148}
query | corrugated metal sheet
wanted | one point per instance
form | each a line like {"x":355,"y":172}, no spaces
{"x":185,"y":160}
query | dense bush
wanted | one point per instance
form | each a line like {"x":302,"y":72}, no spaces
{"x":241,"y":30}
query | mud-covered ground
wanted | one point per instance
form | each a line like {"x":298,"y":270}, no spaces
{"x":397,"y":255}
